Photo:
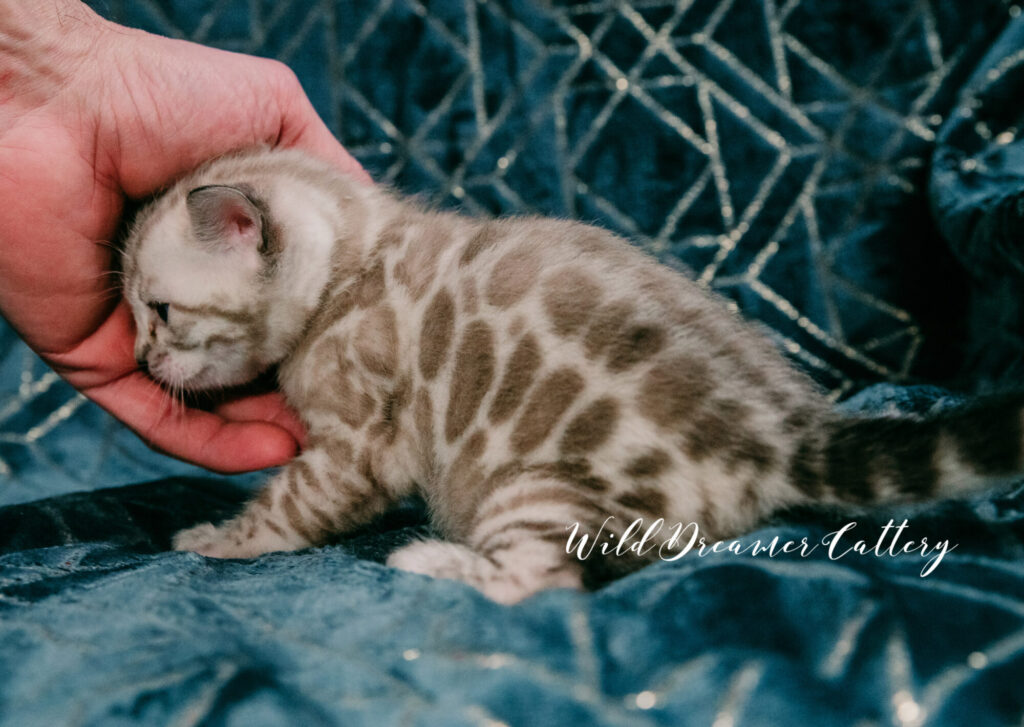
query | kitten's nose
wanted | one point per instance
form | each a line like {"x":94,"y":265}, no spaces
{"x":142,"y":363}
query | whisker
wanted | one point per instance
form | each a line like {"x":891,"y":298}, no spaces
{"x":113,"y":275}
{"x":154,"y":395}
{"x":175,"y":402}
{"x":111,"y":271}
{"x":108,"y":291}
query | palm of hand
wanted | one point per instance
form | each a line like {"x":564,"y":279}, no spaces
{"x":69,"y":157}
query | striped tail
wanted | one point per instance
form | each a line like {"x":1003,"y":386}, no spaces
{"x":882,"y":459}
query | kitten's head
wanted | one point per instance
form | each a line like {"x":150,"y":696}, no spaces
{"x":197,"y":270}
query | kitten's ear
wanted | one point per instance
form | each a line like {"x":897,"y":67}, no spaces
{"x":224,"y":216}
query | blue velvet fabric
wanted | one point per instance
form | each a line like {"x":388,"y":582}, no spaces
{"x":977,"y":184}
{"x":780,"y":152}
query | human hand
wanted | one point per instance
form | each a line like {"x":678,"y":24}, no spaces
{"x":92,"y":113}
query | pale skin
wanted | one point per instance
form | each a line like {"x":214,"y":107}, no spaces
{"x":93,"y":114}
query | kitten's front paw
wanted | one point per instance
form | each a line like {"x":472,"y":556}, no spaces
{"x":204,"y":539}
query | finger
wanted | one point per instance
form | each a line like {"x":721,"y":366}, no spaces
{"x":203,"y":438}
{"x":318,"y":140}
{"x":302,"y":128}
{"x":54,"y":288}
{"x":105,"y":355}
{"x":269,"y":407}
{"x":198,"y":103}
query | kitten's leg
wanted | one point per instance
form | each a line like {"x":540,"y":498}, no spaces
{"x":303,"y":505}
{"x":518,"y":545}
{"x":506,"y":575}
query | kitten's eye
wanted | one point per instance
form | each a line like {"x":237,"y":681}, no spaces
{"x":161,"y":310}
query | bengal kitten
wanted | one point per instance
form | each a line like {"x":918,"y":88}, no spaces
{"x":521,"y":374}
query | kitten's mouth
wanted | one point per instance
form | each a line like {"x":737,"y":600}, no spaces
{"x":199,"y":392}
{"x":194,"y":384}
{"x":208,"y":380}
{"x":199,"y":381}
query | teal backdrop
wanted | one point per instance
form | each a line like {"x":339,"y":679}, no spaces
{"x":847,"y":173}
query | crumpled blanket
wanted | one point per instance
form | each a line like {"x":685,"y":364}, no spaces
{"x":101,"y":625}
{"x":844,"y":173}
{"x":977,"y":184}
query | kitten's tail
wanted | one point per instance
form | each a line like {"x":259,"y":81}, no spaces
{"x":882,"y":459}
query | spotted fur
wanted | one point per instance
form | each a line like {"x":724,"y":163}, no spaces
{"x":522,"y":375}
